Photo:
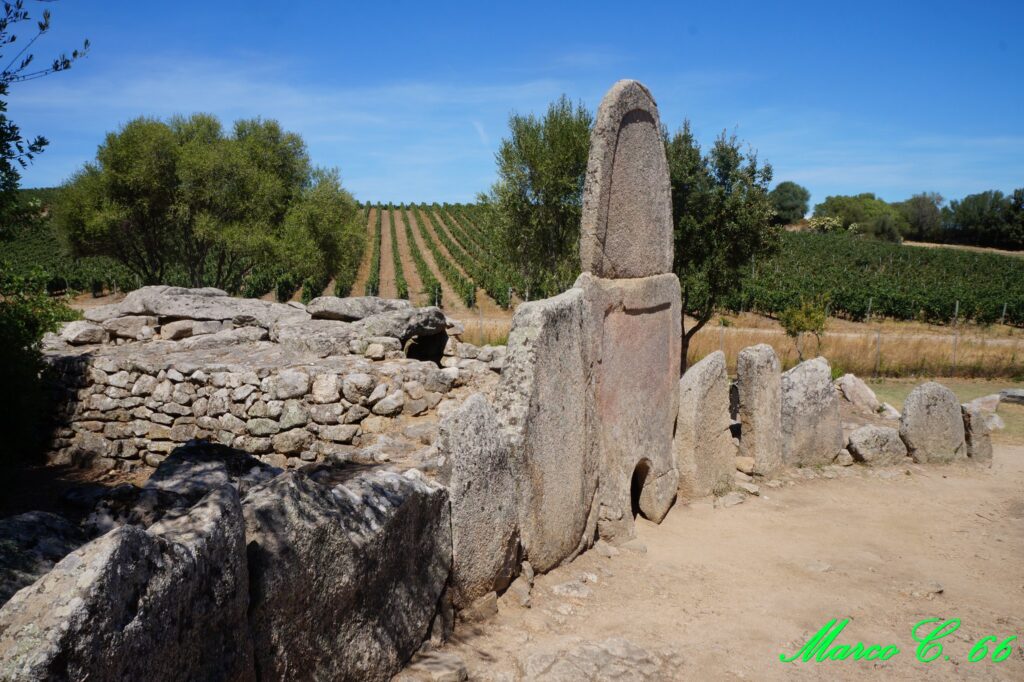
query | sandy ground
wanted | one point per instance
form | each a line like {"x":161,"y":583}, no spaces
{"x":720,"y":593}
{"x":387,"y":263}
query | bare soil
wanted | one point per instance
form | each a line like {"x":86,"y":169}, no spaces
{"x":417,"y":295}
{"x":720,"y":593}
{"x":363,"y":274}
{"x":387,"y":263}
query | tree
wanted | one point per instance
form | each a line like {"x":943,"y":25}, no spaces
{"x":723,"y":220}
{"x":182,"y":201}
{"x":16,"y":151}
{"x":790,"y":202}
{"x":537,"y":201}
{"x":986,"y":219}
{"x":866,"y":214}
{"x":809,"y":316}
{"x":923,"y":215}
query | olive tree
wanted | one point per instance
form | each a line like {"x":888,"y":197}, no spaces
{"x":723,"y":219}
{"x":183,"y":201}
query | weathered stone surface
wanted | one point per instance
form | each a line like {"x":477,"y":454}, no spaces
{"x":759,"y":407}
{"x":812,"y":431}
{"x":178,"y":329}
{"x":390,"y":405}
{"x":543,"y":399}
{"x":976,"y":433}
{"x":633,"y":327}
{"x":703,"y":444}
{"x":352,"y":308}
{"x":987,"y":403}
{"x":129,"y":327}
{"x":291,"y":384}
{"x":403,"y":324}
{"x":1012,"y":395}
{"x":30,"y":544}
{"x":377,"y":548}
{"x":205,"y":304}
{"x":81,"y":333}
{"x":600,"y":661}
{"x":164,"y":604}
{"x":321,"y":337}
{"x":877,"y":445}
{"x":932,"y":425}
{"x":858,"y":393}
{"x":480,"y":472}
{"x":626,"y":227}
{"x":326,"y":389}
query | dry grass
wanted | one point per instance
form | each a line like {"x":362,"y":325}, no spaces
{"x":876,"y":353}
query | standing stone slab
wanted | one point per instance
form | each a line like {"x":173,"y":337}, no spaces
{"x":932,"y":424}
{"x":545,"y":401}
{"x":346,"y":577}
{"x":481,"y":479}
{"x":976,"y":433}
{"x":635,"y":328}
{"x":812,"y":432}
{"x":168,"y":603}
{"x":703,"y":444}
{"x":626,"y":227}
{"x":759,"y":407}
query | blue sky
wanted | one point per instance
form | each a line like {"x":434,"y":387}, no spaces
{"x":410,"y":100}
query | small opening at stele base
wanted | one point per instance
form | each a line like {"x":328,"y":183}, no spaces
{"x":636,"y":486}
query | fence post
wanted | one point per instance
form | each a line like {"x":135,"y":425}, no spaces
{"x":956,"y":340}
{"x":721,"y":339}
{"x":1002,"y":319}
{"x":878,"y":353}
{"x":871,"y":300}
{"x":956,"y":313}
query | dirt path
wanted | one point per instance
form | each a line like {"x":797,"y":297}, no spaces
{"x":451,"y":303}
{"x":388,"y":289}
{"x":359,"y":286}
{"x":721,"y":593}
{"x":417,"y":292}
{"x":484,"y":302}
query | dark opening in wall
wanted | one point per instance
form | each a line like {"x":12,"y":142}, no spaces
{"x":427,"y":348}
{"x":636,"y":486}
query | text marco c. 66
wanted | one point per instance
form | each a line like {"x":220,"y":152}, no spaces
{"x":927,"y":634}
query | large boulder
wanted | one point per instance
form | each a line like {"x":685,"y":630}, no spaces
{"x":30,"y":544}
{"x":703,"y":443}
{"x":168,"y":603}
{"x":759,"y":407}
{"x":206,"y":304}
{"x":320,"y":337}
{"x":481,"y":473}
{"x":932,"y":424}
{"x":403,"y":324}
{"x":353,"y":308}
{"x":346,"y":579}
{"x":877,"y":445}
{"x":1012,"y":395}
{"x":858,"y":393}
{"x":812,"y":431}
{"x":544,"y":401}
{"x":976,"y":433}
{"x":131,"y":326}
{"x":83,"y":333}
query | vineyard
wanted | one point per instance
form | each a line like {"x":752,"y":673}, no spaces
{"x":861,"y":278}
{"x":441,"y":254}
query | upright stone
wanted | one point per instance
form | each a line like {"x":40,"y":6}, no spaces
{"x":634,"y":327}
{"x":812,"y":433}
{"x":703,"y":444}
{"x":626,"y":227}
{"x":759,"y":394}
{"x":932,"y":424}
{"x":481,"y":479}
{"x":544,"y":399}
{"x":976,"y":432}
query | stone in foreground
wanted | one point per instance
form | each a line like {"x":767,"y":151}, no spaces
{"x":932,"y":424}
{"x":168,"y":603}
{"x":481,"y":481}
{"x":976,"y":433}
{"x":347,"y":576}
